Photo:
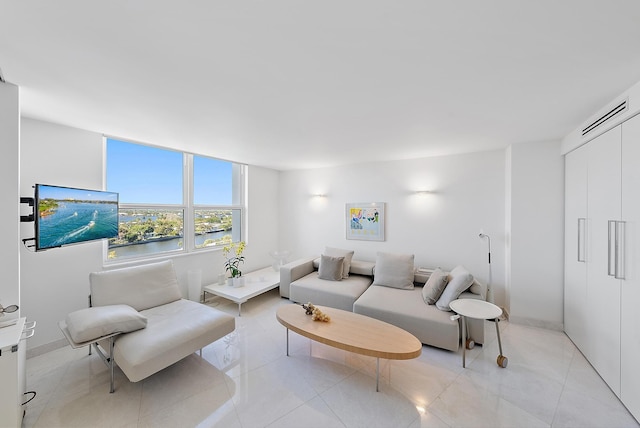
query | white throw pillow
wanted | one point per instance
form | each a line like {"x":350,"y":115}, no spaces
{"x":92,"y":323}
{"x":338,"y":252}
{"x":330,"y":268}
{"x":394,"y":270}
{"x":459,"y":280}
{"x":434,"y":286}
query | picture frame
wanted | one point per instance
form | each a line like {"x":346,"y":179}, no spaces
{"x":365,"y":221}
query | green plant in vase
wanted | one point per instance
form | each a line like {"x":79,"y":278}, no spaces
{"x":233,"y":254}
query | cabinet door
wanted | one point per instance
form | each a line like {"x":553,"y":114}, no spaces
{"x":603,"y":289}
{"x":575,"y":272}
{"x":630,"y":327}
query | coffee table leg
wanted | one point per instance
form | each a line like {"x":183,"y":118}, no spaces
{"x":377,"y":373}
{"x":287,"y":342}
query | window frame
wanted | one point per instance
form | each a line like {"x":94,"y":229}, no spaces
{"x":188,"y":208}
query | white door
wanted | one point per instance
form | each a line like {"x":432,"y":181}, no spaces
{"x":575,"y":271}
{"x":630,"y":327}
{"x":603,"y":289}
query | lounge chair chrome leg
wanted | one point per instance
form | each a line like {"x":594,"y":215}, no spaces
{"x":111,"y":341}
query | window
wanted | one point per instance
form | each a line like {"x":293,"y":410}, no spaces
{"x":172,"y":201}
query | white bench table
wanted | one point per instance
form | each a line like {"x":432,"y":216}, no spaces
{"x":256,"y":283}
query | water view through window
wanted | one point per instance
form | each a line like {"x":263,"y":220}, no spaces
{"x":153,"y":209}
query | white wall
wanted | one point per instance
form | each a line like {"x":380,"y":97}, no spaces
{"x":536,"y":251}
{"x":10,"y":191}
{"x":55,"y":282}
{"x":440,"y":228}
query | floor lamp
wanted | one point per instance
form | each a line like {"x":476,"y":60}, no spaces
{"x":489,"y":290}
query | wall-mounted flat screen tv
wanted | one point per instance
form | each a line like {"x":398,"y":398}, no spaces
{"x":65,"y":215}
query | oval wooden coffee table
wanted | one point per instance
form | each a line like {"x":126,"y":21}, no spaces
{"x":352,"y":332}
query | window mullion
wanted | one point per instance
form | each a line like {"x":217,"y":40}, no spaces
{"x":187,"y":187}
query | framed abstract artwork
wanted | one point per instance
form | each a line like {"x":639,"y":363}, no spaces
{"x":365,"y":221}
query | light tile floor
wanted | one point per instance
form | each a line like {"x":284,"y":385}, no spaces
{"x":245,"y":380}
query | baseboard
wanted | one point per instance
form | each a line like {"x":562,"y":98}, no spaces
{"x":505,"y":314}
{"x":537,"y":323}
{"x":48,"y":347}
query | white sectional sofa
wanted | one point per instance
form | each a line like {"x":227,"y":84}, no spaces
{"x":300,"y":282}
{"x":141,"y":311}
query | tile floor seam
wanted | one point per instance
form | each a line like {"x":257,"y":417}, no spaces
{"x":564,"y":384}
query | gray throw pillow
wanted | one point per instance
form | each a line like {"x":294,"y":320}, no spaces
{"x":394,"y":270}
{"x":92,"y":323}
{"x":330,"y":268}
{"x":338,"y":252}
{"x":434,"y":286}
{"x":459,"y":280}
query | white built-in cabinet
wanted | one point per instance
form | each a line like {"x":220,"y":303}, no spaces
{"x":630,"y":293}
{"x":13,"y":349}
{"x":602,"y":267}
{"x":603,"y":284}
{"x":575,"y":270}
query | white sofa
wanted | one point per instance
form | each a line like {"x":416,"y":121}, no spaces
{"x":405,"y":308}
{"x":160,"y":327}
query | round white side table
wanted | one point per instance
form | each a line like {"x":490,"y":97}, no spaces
{"x":478,"y":309}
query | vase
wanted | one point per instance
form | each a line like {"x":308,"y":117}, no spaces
{"x":230,"y":282}
{"x":238,"y":282}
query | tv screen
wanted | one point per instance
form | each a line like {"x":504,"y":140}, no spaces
{"x":65,"y":215}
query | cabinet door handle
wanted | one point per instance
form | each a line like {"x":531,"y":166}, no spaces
{"x":610,"y":238}
{"x":581,"y":233}
{"x":619,"y":250}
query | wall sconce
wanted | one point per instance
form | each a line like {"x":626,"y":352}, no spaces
{"x":422,"y":192}
{"x":318,"y":195}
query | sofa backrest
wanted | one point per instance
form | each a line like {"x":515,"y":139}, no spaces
{"x":358,"y":267}
{"x":141,"y":287}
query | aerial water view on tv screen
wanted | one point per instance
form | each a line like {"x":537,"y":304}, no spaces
{"x":68,"y":216}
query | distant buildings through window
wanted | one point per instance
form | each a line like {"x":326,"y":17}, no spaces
{"x":172,"y":201}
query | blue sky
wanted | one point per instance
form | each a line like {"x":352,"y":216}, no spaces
{"x":144,"y":174}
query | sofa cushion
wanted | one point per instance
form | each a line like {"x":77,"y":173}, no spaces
{"x":335,"y":294}
{"x":394,"y":270}
{"x":338,"y":252}
{"x":141,"y":287}
{"x":360,"y":267}
{"x":478,"y":288}
{"x":459,"y":280}
{"x":406,"y":309}
{"x":93,"y":323}
{"x":434,"y":286}
{"x":174,"y":331}
{"x":330,"y":268}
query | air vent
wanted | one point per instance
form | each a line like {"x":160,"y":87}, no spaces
{"x":605,"y":117}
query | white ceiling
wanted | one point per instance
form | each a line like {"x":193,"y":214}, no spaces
{"x":294,"y":84}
